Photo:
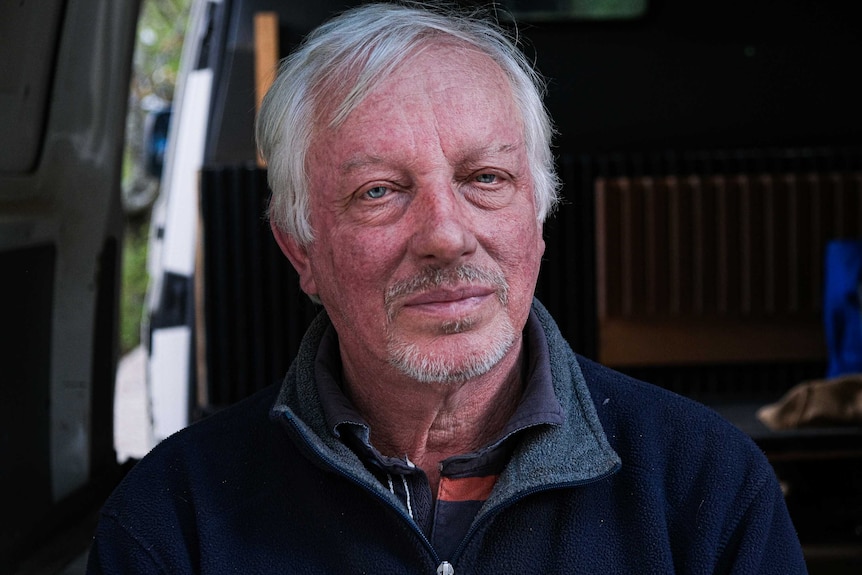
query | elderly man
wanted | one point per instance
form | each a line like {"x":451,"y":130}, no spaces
{"x":435,"y":420}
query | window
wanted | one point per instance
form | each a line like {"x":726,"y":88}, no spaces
{"x":550,"y":10}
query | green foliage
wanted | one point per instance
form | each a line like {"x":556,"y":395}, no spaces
{"x":161,"y":30}
{"x":157,"y":55}
{"x":134,"y":280}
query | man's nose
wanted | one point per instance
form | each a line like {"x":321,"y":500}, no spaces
{"x":443,"y":226}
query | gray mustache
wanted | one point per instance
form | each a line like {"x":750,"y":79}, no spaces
{"x":433,"y":277}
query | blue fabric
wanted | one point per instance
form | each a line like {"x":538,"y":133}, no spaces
{"x":841,"y":309}
{"x":260,"y":490}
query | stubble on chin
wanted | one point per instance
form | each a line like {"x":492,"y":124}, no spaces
{"x":458,"y":326}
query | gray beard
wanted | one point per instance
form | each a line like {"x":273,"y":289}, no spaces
{"x":416,"y":363}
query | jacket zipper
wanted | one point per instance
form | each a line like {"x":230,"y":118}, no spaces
{"x":444,"y":567}
{"x":358,"y":482}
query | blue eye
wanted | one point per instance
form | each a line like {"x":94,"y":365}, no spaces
{"x":486,"y":178}
{"x":376,"y":192}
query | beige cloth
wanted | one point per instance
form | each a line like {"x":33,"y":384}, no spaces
{"x":820,"y":403}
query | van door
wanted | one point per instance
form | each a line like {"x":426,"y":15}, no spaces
{"x":64,"y":77}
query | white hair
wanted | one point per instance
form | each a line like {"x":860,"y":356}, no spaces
{"x":345,"y":58}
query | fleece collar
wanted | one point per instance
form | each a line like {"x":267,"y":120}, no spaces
{"x":572,"y":452}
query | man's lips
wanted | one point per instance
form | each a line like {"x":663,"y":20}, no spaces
{"x":438,"y":296}
{"x":452,"y":291}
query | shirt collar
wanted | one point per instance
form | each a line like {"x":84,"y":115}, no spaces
{"x":337,"y":407}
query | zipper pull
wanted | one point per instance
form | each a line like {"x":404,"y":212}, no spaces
{"x":445,"y":568}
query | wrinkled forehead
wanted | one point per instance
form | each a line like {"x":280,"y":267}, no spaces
{"x":340,"y":92}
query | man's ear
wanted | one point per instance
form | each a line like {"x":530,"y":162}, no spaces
{"x":298,"y":256}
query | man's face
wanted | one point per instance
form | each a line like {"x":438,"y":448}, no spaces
{"x":427,"y":247}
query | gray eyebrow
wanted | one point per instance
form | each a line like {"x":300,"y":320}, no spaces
{"x":483,"y":151}
{"x":360,"y":160}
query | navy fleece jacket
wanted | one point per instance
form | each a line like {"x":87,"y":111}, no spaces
{"x":636,"y":480}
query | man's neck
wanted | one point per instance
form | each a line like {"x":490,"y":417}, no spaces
{"x":431,"y":422}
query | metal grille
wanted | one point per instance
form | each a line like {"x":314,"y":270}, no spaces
{"x":726,"y":243}
{"x":741,"y":246}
